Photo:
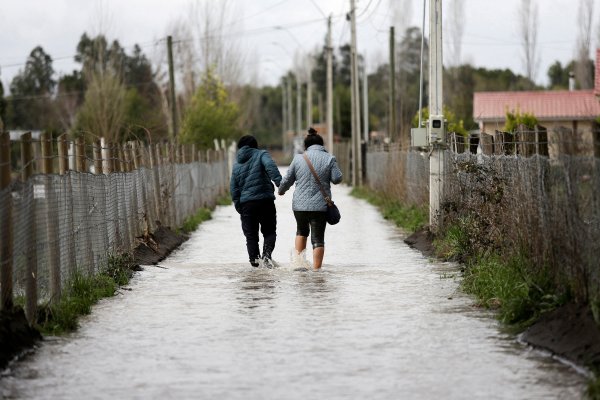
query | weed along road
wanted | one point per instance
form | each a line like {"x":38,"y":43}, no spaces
{"x":380,"y":321}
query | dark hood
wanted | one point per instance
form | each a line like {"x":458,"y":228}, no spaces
{"x":245,"y":153}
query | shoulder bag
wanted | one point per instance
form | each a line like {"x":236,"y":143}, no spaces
{"x":333,"y":214}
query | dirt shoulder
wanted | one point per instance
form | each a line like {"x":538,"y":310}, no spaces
{"x":157,"y":246}
{"x":569,"y":331}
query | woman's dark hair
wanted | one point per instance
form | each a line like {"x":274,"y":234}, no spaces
{"x":247,"y":140}
{"x":312,"y":138}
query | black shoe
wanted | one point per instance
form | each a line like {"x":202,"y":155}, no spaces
{"x":268,"y":262}
{"x":255,"y":265}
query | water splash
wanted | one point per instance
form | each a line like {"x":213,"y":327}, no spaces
{"x":298,"y":262}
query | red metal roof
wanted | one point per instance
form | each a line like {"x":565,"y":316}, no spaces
{"x":544,"y":105}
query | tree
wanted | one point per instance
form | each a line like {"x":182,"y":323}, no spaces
{"x":409,"y":66}
{"x":103,"y":110}
{"x":2,"y":104}
{"x":528,"y":28}
{"x":583,"y":68}
{"x":456,"y":22}
{"x":211,"y":115}
{"x":69,"y":97}
{"x":31,"y":91}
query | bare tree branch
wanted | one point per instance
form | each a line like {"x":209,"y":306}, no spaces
{"x":528,"y":29}
{"x":583,"y":68}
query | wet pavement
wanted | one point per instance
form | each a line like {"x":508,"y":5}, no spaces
{"x":379,"y":321}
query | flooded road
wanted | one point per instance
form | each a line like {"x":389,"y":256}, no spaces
{"x":380,"y":321}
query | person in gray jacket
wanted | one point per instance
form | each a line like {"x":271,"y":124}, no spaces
{"x":253,"y":197}
{"x":308,"y":203}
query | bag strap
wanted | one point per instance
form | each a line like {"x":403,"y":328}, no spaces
{"x":312,"y":169}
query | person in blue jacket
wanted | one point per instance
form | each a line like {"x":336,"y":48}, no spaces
{"x":253,"y":195}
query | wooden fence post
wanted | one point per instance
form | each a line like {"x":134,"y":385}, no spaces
{"x":31,"y":255}
{"x":6,"y":222}
{"x":63,"y":154}
{"x":80,"y":155}
{"x":51,"y":218}
{"x":97,"y":157}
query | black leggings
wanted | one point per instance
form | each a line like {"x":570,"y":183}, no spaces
{"x":312,"y":222}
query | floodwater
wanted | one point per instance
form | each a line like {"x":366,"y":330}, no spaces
{"x":379,"y":321}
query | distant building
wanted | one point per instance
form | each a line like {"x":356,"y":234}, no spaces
{"x":571,"y":117}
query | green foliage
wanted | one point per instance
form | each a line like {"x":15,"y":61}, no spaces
{"x":454,"y":244}
{"x":30,"y":102}
{"x":452,"y":125}
{"x":593,"y":388}
{"x":410,"y":218}
{"x":224,"y":200}
{"x":519,"y":290}
{"x":103,"y":110}
{"x":191,"y":223}
{"x":81,"y":293}
{"x":515,"y":118}
{"x":211,"y":114}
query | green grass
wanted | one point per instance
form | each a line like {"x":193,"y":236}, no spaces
{"x":81,"y":294}
{"x":410,"y":218}
{"x":191,"y":223}
{"x":224,"y":200}
{"x":593,"y":388}
{"x":520,"y":291}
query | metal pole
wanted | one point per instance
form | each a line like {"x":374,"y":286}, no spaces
{"x":421,"y":69}
{"x":172,"y":87}
{"x":298,"y":107}
{"x":354,"y":98}
{"x":309,"y":103}
{"x":392,"y":85}
{"x":365,"y":105}
{"x":329,"y":88}
{"x":437,"y":159}
{"x":283,"y":116}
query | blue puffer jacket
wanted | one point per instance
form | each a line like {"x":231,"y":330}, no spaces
{"x":252,"y":175}
{"x":307,"y":195}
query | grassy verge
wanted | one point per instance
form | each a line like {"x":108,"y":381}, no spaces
{"x":82,"y":293}
{"x":410,"y":218}
{"x":518,"y":289}
{"x":191,"y":223}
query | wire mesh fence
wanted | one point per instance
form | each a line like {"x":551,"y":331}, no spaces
{"x":57,"y":224}
{"x":546,"y":205}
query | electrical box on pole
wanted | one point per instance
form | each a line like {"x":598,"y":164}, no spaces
{"x":437,"y":131}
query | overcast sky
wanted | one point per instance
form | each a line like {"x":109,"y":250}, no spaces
{"x":272,"y":31}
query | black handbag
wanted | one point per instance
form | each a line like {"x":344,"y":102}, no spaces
{"x":333,"y":213}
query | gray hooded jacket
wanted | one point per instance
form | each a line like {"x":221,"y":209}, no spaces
{"x":307,"y":196}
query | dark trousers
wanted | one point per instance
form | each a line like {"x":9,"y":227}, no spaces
{"x":255,"y":214}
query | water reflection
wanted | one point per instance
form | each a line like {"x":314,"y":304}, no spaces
{"x":257,"y":287}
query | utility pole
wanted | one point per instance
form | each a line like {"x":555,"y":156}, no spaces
{"x":309,"y":103}
{"x":437,"y":137}
{"x":392,"y":127}
{"x":283,"y":116}
{"x":355,"y":96}
{"x":172,"y":87}
{"x":365,"y":104}
{"x":290,"y":113}
{"x":329,"y":87}
{"x":298,"y":106}
{"x":421,"y":69}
